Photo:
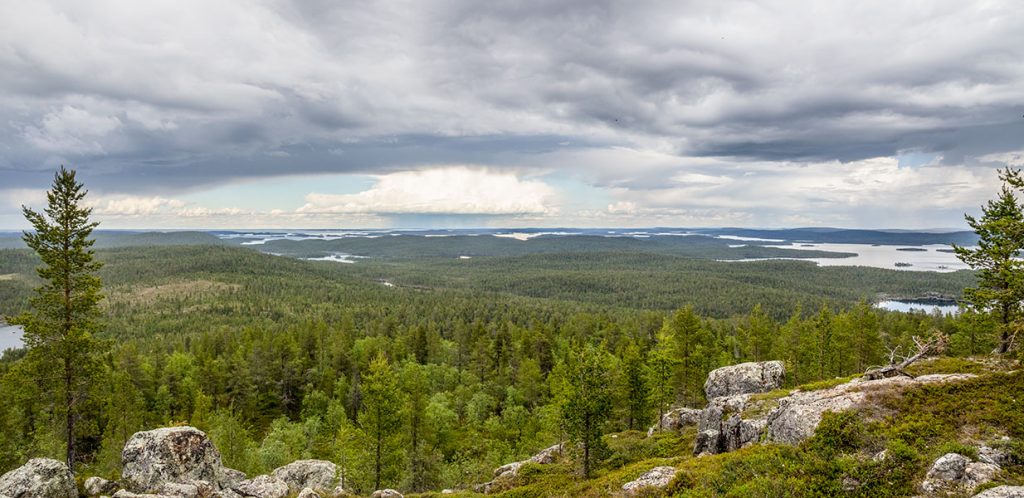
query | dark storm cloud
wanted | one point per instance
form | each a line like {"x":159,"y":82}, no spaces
{"x":156,"y":95}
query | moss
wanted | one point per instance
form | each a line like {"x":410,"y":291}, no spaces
{"x":826,"y":384}
{"x":971,"y":365}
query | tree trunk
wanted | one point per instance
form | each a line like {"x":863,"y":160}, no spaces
{"x":69,"y":401}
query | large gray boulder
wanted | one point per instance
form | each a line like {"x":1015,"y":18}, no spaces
{"x":1002,"y":492}
{"x":658,"y":477}
{"x":169,"y":455}
{"x":386,"y":493}
{"x":39,"y":478}
{"x":722,"y":426}
{"x":262,"y":486}
{"x":320,"y":475}
{"x":745,"y":378}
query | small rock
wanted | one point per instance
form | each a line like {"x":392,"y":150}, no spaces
{"x":1002,"y":492}
{"x":547,"y":455}
{"x":850,"y":484}
{"x":39,"y":478}
{"x":315,"y":474}
{"x":386,"y":493}
{"x":262,"y":486}
{"x":675,"y":419}
{"x":978,"y":473}
{"x":994,"y":456}
{"x":124,"y":493}
{"x":447,"y":491}
{"x":308,"y":493}
{"x":509,"y":469}
{"x":658,"y":477}
{"x":949,"y":467}
{"x":95,"y":486}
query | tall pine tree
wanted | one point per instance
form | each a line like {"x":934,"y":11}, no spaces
{"x":64,"y":314}
{"x":1000,"y":230}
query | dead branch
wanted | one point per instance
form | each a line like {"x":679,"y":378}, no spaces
{"x":936,"y":343}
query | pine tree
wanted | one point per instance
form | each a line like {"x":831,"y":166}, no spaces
{"x":660,"y":369}
{"x":587,"y":403}
{"x":64,"y":314}
{"x":635,"y":386}
{"x":1000,"y":232}
{"x":381,"y":416}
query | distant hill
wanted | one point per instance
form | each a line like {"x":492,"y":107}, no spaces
{"x":109,"y":239}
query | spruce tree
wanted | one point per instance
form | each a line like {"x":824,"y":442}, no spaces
{"x":635,"y":386}
{"x":587,"y":403}
{"x":381,"y":416}
{"x":64,"y":312}
{"x":996,"y":260}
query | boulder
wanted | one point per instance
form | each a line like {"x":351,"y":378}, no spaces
{"x":169,"y":455}
{"x":124,"y":493}
{"x":722,"y":427}
{"x":386,"y":493}
{"x":262,"y":486}
{"x":230,"y":478}
{"x":95,"y":486}
{"x":1002,"y":492}
{"x":745,"y":378}
{"x":509,"y":469}
{"x":193,"y":489}
{"x":308,"y":493}
{"x":978,"y":473}
{"x":954,"y":472}
{"x":658,"y":477}
{"x":995,"y":456}
{"x":677,"y":418}
{"x":548,"y":455}
{"x":39,"y":478}
{"x":316,"y":474}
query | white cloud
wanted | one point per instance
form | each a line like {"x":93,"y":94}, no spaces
{"x":133,"y":206}
{"x":445,"y":190}
{"x":71,"y":130}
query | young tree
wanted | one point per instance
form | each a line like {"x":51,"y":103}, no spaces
{"x":64,"y":314}
{"x":381,"y":416}
{"x":1000,"y":241}
{"x":587,"y":402}
{"x":660,"y":367}
{"x":635,"y":386}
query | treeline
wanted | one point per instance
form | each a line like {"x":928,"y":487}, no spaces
{"x":446,"y":399}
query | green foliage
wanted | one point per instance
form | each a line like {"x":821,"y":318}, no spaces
{"x":587,"y":403}
{"x":64,"y":312}
{"x":381,"y":419}
{"x":1000,"y":271}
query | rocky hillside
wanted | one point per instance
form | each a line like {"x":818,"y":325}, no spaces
{"x":949,"y":428}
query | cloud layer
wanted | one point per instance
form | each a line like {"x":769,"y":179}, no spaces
{"x":713,"y":111}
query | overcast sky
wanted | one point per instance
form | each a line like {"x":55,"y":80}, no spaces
{"x":512,"y":113}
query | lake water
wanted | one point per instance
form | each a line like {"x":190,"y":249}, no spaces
{"x":10,"y":337}
{"x":919,"y":258}
{"x":906,"y":306}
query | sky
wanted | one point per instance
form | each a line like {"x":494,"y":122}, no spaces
{"x":460,"y":113}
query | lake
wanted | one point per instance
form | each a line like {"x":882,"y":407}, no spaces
{"x":906,"y":306}
{"x":916,"y":258}
{"x":10,"y":337}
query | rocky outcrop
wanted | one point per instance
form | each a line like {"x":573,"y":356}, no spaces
{"x":124,"y":493}
{"x":658,"y":477}
{"x":39,"y":478}
{"x":386,"y":493}
{"x":675,"y":419}
{"x":734,"y":421}
{"x":955,"y":473}
{"x":745,"y":378}
{"x":503,"y":474}
{"x":262,"y":486}
{"x":96,"y":486}
{"x":1002,"y":492}
{"x":320,"y":475}
{"x":722,"y":427}
{"x":169,"y":455}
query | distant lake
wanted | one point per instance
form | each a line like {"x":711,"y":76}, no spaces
{"x":10,"y":337}
{"x":907,"y":306}
{"x":919,"y":258}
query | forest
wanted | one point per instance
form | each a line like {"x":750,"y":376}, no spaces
{"x":451,"y":367}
